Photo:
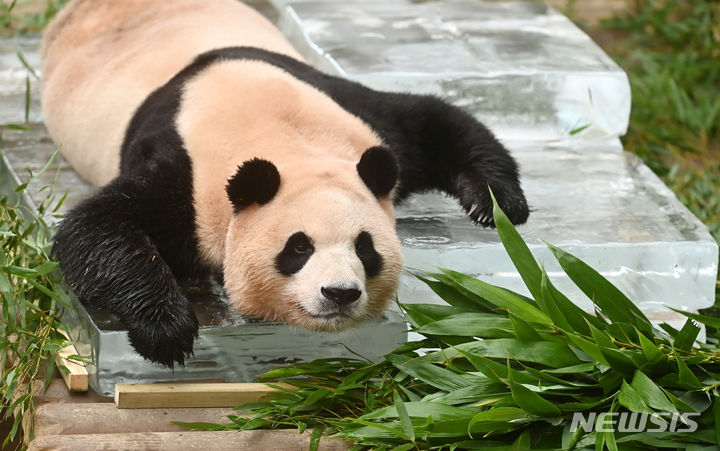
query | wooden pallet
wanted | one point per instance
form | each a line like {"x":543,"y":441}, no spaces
{"x":66,"y":420}
{"x":68,"y":416}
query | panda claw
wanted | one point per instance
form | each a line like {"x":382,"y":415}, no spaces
{"x":473,"y":207}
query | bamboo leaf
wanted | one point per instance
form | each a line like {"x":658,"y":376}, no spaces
{"x":315,"y":438}
{"x":315,"y":396}
{"x":547,"y":303}
{"x":455,"y":296}
{"x":484,"y":325}
{"x":523,"y":330}
{"x":377,"y":430}
{"x":500,"y":298}
{"x":199,"y":426}
{"x":46,"y":268}
{"x":716,"y":417}
{"x":711,"y":321}
{"x":651,"y":352}
{"x":605,"y":295}
{"x":426,"y":313}
{"x":498,"y":415}
{"x":404,"y":417}
{"x":522,"y":443}
{"x":494,"y":370}
{"x":612,"y":354}
{"x":630,"y":399}
{"x":547,"y":353}
{"x":589,"y":348}
{"x":685,"y":376}
{"x":685,"y":339}
{"x":531,"y":402}
{"x":574,"y":369}
{"x":519,"y":253}
{"x":430,"y":374}
{"x":650,"y":393}
{"x":421,"y":409}
{"x":19,"y":271}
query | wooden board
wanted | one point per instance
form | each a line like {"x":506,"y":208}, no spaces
{"x":92,"y":418}
{"x":76,"y":378}
{"x":283,"y":440}
{"x":66,"y":420}
{"x":134,"y":396}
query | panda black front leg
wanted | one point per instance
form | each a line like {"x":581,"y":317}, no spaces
{"x":442,"y":147}
{"x":438,"y":145}
{"x":112,"y":263}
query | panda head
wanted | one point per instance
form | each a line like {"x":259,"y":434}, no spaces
{"x":313,"y":243}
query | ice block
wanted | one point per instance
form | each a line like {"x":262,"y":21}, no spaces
{"x":520,"y":66}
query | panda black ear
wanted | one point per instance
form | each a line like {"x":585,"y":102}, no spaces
{"x":378,"y":168}
{"x":256,"y":181}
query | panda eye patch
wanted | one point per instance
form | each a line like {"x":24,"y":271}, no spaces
{"x":365,"y":250}
{"x":295,"y":254}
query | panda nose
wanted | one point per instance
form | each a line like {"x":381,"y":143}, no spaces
{"x":341,"y":296}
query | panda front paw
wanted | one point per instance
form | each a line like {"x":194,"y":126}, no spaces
{"x":475,"y":198}
{"x":165,"y":336}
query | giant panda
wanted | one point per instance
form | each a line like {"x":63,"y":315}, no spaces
{"x":217,"y":150}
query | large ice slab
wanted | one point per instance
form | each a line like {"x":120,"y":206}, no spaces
{"x":521,"y":67}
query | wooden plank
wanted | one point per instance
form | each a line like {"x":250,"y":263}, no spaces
{"x":77,"y":378}
{"x":57,"y":392}
{"x":105,"y":418}
{"x":282,"y":440}
{"x":134,"y":396}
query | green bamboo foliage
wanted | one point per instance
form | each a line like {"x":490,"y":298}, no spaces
{"x":497,"y":370}
{"x":30,"y":302}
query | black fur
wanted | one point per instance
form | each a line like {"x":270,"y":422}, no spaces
{"x":295,"y":254}
{"x":378,"y":169}
{"x":124,"y":248}
{"x":365,"y":250}
{"x":256,"y":181}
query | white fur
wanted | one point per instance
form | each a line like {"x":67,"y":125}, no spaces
{"x":102,"y":58}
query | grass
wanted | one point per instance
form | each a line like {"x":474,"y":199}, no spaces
{"x":671,"y":52}
{"x":26,"y":16}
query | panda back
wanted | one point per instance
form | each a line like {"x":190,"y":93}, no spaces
{"x":103,"y":58}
